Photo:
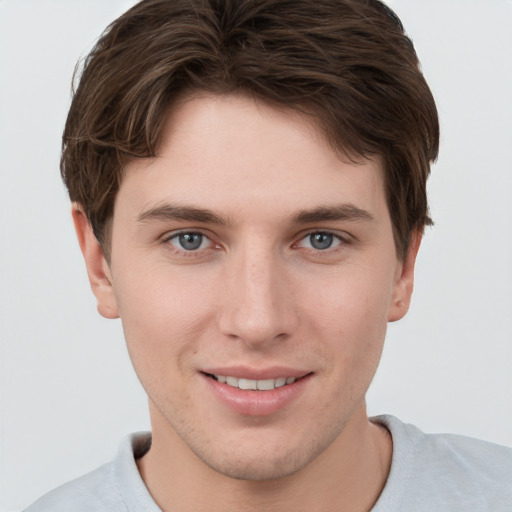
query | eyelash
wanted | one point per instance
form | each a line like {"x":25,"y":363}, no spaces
{"x":194,"y":253}
{"x":335,"y":237}
{"x":167,"y":240}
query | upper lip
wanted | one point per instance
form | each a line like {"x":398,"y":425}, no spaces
{"x":245,"y":372}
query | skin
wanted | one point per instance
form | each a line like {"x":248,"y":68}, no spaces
{"x":257,"y":293}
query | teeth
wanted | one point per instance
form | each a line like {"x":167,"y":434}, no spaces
{"x":246,"y":384}
{"x":261,"y":385}
{"x":265,"y":385}
{"x":232,"y":381}
{"x":280,"y":382}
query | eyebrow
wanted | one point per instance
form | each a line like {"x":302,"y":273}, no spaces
{"x":178,"y":212}
{"x":166,"y":212}
{"x":346,"y":212}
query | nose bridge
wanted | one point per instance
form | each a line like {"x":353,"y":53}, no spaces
{"x":258,"y":305}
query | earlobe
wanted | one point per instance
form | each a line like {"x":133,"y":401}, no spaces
{"x":97,"y":267}
{"x":404,"y":280}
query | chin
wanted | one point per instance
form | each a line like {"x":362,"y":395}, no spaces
{"x":260,"y":462}
{"x":258,"y":469}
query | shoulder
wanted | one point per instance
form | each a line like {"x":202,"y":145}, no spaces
{"x":113,"y":487}
{"x":449,"y":471}
{"x":95,"y":491}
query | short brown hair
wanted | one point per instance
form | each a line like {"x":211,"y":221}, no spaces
{"x":346,"y":62}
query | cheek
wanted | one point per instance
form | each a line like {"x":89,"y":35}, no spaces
{"x":349,"y":315}
{"x":163,"y":315}
{"x":353,"y":302}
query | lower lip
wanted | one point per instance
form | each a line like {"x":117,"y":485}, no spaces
{"x":257,"y":403}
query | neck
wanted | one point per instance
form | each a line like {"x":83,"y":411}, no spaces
{"x":349,"y":475}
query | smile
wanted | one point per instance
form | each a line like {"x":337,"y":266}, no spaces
{"x":252,"y":384}
{"x":251,"y":392}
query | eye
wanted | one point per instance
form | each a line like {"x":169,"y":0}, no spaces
{"x":320,"y":241}
{"x":189,"y":241}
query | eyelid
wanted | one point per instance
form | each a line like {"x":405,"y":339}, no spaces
{"x":344,"y":240}
{"x":169,"y":236}
{"x":184,"y":231}
{"x":342,"y":236}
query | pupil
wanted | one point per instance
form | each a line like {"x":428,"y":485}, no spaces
{"x":191,"y":241}
{"x":321,"y":240}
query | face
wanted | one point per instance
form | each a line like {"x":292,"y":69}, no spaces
{"x":254,"y":272}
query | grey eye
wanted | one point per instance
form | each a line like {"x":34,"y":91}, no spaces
{"x":189,"y":241}
{"x":321,"y":241}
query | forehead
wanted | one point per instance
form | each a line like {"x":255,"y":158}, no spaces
{"x":220,"y":151}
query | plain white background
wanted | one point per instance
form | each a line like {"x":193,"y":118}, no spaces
{"x":68,"y":393}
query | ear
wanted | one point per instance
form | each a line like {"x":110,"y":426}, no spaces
{"x":404,"y":280}
{"x":97,"y":267}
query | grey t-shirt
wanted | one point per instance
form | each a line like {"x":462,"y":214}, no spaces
{"x":429,"y":472}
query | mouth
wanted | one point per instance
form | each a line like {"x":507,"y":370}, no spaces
{"x":253,"y":384}
{"x":250,"y":392}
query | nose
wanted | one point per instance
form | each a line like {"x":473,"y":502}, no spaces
{"x":257,"y":305}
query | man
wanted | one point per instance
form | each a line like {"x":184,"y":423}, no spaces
{"x":248,"y":186}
